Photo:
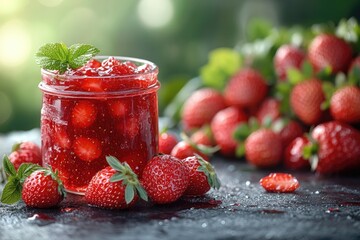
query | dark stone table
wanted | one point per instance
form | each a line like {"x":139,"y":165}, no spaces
{"x":322,"y":208}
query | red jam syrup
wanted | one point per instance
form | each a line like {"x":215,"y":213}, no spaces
{"x":107,"y":107}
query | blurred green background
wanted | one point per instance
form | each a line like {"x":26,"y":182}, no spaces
{"x":175,"y":34}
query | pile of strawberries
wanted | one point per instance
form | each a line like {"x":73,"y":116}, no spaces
{"x":309,"y":118}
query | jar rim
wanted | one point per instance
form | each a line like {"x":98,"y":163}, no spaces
{"x":154,"y":69}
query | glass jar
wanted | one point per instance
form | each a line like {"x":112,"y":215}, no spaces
{"x":86,"y":118}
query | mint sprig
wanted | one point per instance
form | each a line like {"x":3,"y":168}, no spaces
{"x":12,"y":190}
{"x":57,"y":56}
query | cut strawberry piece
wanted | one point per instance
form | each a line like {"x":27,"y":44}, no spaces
{"x":92,"y":85}
{"x":280,"y":183}
{"x":93,"y":63}
{"x":87,"y":149}
{"x":117,"y":108}
{"x":83,"y":114}
{"x":61,"y":138}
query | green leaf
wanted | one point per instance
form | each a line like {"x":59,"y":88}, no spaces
{"x":12,"y":191}
{"x":117,"y":177}
{"x":294,"y":76}
{"x":26,"y":169}
{"x":141,"y":192}
{"x":8,"y":166}
{"x":348,"y":30}
{"x":242,"y":131}
{"x":16,"y":146}
{"x":57,"y":56}
{"x":307,"y":69}
{"x":80,"y":54}
{"x":114,"y":163}
{"x":240,"y":150}
{"x":129,"y":193}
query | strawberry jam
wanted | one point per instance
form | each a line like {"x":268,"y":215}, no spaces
{"x":107,"y":107}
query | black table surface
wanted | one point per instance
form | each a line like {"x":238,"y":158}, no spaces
{"x":322,"y":208}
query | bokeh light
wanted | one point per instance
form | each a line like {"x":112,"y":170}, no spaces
{"x":50,"y":3}
{"x":155,"y":13}
{"x":10,"y":6}
{"x":15,"y":43}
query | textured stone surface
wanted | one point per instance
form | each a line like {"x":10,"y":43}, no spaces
{"x":322,"y":208}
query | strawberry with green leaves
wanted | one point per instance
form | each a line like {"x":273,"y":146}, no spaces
{"x":334,"y":148}
{"x":165,"y":179}
{"x":344,"y":105}
{"x":306,"y":99}
{"x":203,"y":136}
{"x":287,"y":57}
{"x":202,"y":176}
{"x":114,"y":187}
{"x":223,"y":127}
{"x":200,"y":108}
{"x":293,"y":154}
{"x":269,"y":108}
{"x":25,"y":152}
{"x":38,"y":187}
{"x":328,"y":50}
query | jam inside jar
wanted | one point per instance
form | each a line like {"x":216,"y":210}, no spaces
{"x":108,"y":107}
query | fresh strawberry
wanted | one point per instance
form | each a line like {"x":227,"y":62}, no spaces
{"x":87,"y":149}
{"x":223,"y":126}
{"x":293,"y":154}
{"x":201,"y":107}
{"x":247,"y":88}
{"x":289,"y":132}
{"x":306,"y":99}
{"x":328,"y":50}
{"x":25,"y":152}
{"x":263,"y":148}
{"x":165,"y":179}
{"x":42,"y":189}
{"x":269,"y":108}
{"x":287,"y":57}
{"x":280,"y":183}
{"x":38,"y":187}
{"x":203,"y":136}
{"x":83,"y":114}
{"x":184,"y":149}
{"x":114,"y":187}
{"x":202,"y":176}
{"x":344,"y":105}
{"x":336,"y":148}
{"x":167,"y":142}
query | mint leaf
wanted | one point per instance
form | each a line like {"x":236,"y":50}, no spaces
{"x":26,"y":169}
{"x":8,"y":166}
{"x":12,"y":191}
{"x":57,"y":56}
{"x":80,"y":54}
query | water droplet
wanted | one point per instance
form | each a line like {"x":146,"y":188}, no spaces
{"x":204,"y":225}
{"x":223,"y":222}
{"x":317,"y":192}
{"x":41,"y":219}
{"x":247,"y":183}
{"x":246,"y":196}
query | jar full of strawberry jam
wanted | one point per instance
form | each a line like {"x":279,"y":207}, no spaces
{"x":107,"y":107}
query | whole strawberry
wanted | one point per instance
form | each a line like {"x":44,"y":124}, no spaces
{"x":165,"y":179}
{"x":38,"y":187}
{"x":287,"y":57}
{"x":184,"y":149}
{"x":293,"y":154}
{"x":306,"y":99}
{"x":269,"y":108}
{"x":247,"y":88}
{"x":202,"y":176}
{"x":42,"y":189}
{"x":344,"y":105}
{"x":223,"y":126}
{"x":167,"y":142}
{"x":114,"y":187}
{"x":25,"y":152}
{"x":201,"y":107}
{"x":203,"y":136}
{"x":263,"y":148}
{"x":328,"y":50}
{"x":290,"y":131}
{"x":335,"y":148}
